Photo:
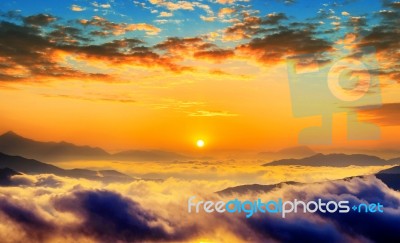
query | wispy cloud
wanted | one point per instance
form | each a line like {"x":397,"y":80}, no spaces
{"x":206,"y":113}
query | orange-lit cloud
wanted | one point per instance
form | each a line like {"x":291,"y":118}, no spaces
{"x":77,"y":8}
{"x":225,"y":11}
{"x":387,"y":115}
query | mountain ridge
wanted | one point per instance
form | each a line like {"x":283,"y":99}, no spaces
{"x":334,"y":160}
{"x":34,"y":167}
{"x":291,"y":152}
{"x":14,"y":144}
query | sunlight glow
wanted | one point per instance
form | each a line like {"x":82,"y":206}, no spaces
{"x":200,"y":143}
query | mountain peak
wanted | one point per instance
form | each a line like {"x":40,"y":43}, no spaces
{"x":10,"y":134}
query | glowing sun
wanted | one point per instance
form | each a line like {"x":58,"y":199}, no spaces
{"x":200,"y":143}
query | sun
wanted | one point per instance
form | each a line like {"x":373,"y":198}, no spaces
{"x":200,"y":143}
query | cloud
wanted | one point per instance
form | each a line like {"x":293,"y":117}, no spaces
{"x":33,"y":225}
{"x":251,"y":25}
{"x":165,"y":14}
{"x":39,"y":19}
{"x":157,"y":212}
{"x":387,"y":115}
{"x":172,"y":6}
{"x":212,"y":113}
{"x":384,"y":38}
{"x":119,"y":28}
{"x":344,"y":13}
{"x":99,"y":5}
{"x":66,"y":35}
{"x":273,"y":48}
{"x":335,"y":227}
{"x":94,"y":98}
{"x":77,"y":8}
{"x":225,"y":1}
{"x":208,"y":18}
{"x":274,"y":18}
{"x":161,"y":205}
{"x":357,"y":21}
{"x":107,"y":216}
{"x":242,"y":30}
{"x":288,"y":2}
{"x":225,"y":11}
{"x":181,"y":47}
{"x":215,"y":55}
{"x":30,"y":55}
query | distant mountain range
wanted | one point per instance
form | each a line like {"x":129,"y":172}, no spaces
{"x":391,"y":177}
{"x":292,"y":152}
{"x":336,"y":160}
{"x":31,"y":166}
{"x":14,"y":144}
{"x":257,"y":188}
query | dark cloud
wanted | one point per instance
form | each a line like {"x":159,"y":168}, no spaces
{"x":357,"y":22}
{"x":217,"y":55}
{"x":385,"y":37}
{"x":67,"y":35}
{"x":274,"y":18}
{"x":250,"y":26}
{"x":179,"y":44}
{"x":109,"y":217}
{"x":30,"y":54}
{"x":390,"y":3}
{"x":194,"y":47}
{"x":273,"y":48}
{"x":27,"y":54}
{"x":295,"y":230}
{"x":39,"y":19}
{"x":381,"y":227}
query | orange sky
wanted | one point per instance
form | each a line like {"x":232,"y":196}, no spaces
{"x":229,"y":113}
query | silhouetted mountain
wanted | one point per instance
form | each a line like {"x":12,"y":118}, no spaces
{"x":5,"y":176}
{"x":141,"y":155}
{"x":293,"y":152}
{"x":335,"y":160}
{"x":394,"y":161}
{"x":393,"y":170}
{"x":254,"y":188}
{"x":31,"y":166}
{"x":12,"y":143}
{"x":391,"y":177}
